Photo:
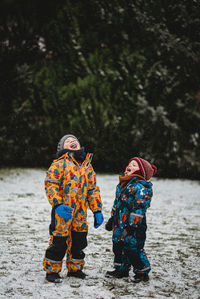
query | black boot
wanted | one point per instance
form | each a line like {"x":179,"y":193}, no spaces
{"x":53,"y":277}
{"x":117,"y":273}
{"x":141,"y":277}
{"x":77,"y":274}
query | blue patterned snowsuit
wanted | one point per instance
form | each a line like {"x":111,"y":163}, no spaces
{"x":129,"y":210}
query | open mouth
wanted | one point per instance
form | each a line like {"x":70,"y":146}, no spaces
{"x":73,"y":145}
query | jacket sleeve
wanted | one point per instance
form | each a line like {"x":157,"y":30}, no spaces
{"x":53,"y":183}
{"x":93,"y":195}
{"x":142,"y":200}
{"x":115,"y":202}
{"x":113,"y":208}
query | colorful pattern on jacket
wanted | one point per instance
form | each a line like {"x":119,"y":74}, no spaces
{"x":74,"y":185}
{"x":130,"y":205}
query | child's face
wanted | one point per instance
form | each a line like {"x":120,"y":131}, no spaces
{"x":131,"y":168}
{"x":71,"y":144}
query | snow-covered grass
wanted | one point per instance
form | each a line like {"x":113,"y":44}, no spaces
{"x":172,"y":245}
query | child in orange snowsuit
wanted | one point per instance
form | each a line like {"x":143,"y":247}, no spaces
{"x":70,"y":186}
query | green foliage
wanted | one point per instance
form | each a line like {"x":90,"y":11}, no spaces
{"x":123,"y":76}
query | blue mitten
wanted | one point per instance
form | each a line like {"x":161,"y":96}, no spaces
{"x":98,"y":219}
{"x":64,"y":211}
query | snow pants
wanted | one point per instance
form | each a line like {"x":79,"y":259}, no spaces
{"x":130,"y":251}
{"x":72,"y":247}
{"x":70,"y":244}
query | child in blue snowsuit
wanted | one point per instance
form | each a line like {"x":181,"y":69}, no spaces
{"x":128,"y":220}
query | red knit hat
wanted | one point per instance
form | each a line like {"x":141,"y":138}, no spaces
{"x":147,"y":170}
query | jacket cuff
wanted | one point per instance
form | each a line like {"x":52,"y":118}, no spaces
{"x":96,"y":212}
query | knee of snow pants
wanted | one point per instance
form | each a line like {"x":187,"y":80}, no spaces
{"x":121,"y":261}
{"x":75,"y":258}
{"x":137,"y":257}
{"x":141,"y":234}
{"x":117,"y":250}
{"x":55,"y":254}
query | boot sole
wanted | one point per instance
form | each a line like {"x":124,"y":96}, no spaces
{"x":57,"y":280}
{"x":140,"y":280}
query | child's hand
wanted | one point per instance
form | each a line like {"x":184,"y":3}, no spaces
{"x":98,"y":219}
{"x":109,"y":224}
{"x":64,"y":211}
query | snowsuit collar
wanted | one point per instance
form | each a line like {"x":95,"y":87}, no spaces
{"x":67,"y":155}
{"x":79,"y":155}
{"x":124,"y":179}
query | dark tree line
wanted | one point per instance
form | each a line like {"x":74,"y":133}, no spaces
{"x":123,"y":76}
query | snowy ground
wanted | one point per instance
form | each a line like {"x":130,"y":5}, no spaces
{"x":173,"y":242}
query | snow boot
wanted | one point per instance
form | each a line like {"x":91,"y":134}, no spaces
{"x":141,"y":277}
{"x":117,"y":273}
{"x":77,"y":274}
{"x":53,"y":277}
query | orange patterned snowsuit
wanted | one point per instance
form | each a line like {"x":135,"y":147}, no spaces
{"x":73,"y":184}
